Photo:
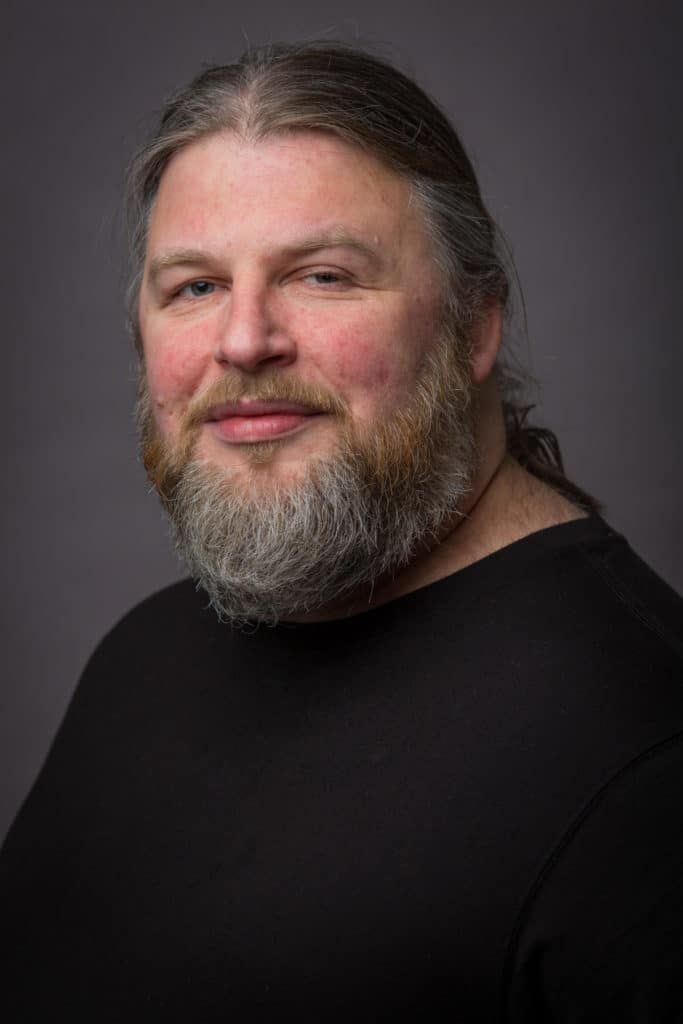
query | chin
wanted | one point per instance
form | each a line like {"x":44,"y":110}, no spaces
{"x":286,"y":457}
{"x":267,"y":455}
{"x":265,"y":463}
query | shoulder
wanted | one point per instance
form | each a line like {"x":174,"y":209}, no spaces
{"x":168,"y":636}
{"x":583,"y":581}
{"x":165,"y":616}
{"x":642,"y":610}
{"x":171,"y":603}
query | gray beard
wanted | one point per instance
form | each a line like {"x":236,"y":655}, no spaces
{"x":357,"y":515}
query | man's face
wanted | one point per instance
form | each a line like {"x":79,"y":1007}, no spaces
{"x":289,"y":294}
{"x":304,"y":411}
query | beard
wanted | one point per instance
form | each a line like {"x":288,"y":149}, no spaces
{"x":263,"y":550}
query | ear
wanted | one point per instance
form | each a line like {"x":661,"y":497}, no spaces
{"x":485,"y":340}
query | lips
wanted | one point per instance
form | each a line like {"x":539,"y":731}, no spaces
{"x":244,"y":422}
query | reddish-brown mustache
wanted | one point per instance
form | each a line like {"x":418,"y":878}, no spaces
{"x":229,"y":398}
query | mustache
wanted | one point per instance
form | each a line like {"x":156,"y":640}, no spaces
{"x":269,"y":388}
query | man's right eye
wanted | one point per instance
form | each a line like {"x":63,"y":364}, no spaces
{"x":196,"y":289}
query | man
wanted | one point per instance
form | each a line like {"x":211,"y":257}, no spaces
{"x":445,"y":778}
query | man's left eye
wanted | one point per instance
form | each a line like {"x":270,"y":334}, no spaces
{"x":326,"y":277}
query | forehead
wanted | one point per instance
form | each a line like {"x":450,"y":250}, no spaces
{"x":223,"y":191}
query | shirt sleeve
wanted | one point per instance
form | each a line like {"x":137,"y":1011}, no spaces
{"x":601,"y":936}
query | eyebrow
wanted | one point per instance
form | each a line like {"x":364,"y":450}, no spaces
{"x":334,"y":238}
{"x":176,"y":258}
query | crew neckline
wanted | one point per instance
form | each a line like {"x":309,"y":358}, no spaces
{"x":535,"y":545}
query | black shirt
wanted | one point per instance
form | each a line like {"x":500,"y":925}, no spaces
{"x":466,"y":802}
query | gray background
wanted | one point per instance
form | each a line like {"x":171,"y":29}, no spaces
{"x":571,"y":113}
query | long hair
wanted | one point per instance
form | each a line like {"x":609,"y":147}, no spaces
{"x":334,"y":88}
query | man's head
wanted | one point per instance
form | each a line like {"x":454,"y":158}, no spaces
{"x":317,"y":287}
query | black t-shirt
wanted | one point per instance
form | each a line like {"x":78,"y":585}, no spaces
{"x":466,"y":804}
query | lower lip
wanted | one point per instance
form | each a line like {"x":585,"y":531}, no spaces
{"x":243,"y":429}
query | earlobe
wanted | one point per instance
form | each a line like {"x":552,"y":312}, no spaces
{"x":486,"y":339}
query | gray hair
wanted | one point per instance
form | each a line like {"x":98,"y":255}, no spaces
{"x":334,"y":88}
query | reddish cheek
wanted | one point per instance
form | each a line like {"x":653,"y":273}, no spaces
{"x":373,"y":373}
{"x":174,"y":376}
{"x":356,"y":359}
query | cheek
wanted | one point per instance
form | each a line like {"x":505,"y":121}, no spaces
{"x":357,"y":361}
{"x":375,"y":361}
{"x":174,"y":372}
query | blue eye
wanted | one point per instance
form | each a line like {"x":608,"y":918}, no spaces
{"x":200,"y":288}
{"x":326,"y":277}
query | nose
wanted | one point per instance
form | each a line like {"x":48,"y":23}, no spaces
{"x":252,"y":335}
